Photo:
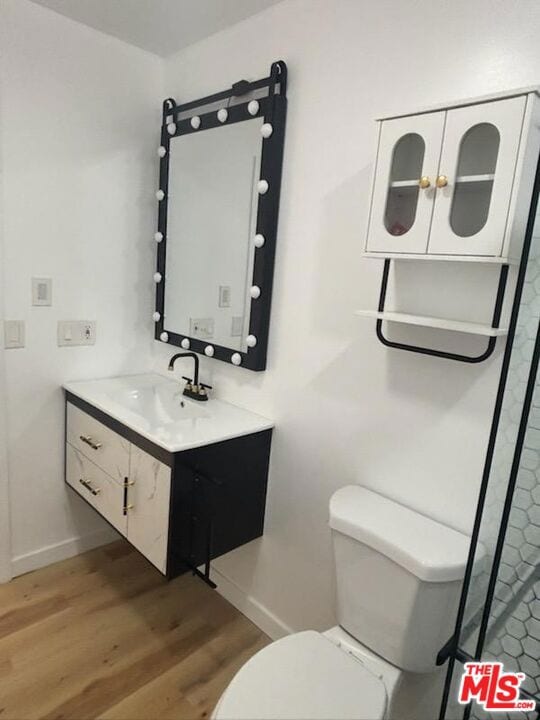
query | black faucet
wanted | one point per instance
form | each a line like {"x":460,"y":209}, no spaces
{"x":192,"y":389}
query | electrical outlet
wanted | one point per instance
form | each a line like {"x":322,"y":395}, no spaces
{"x":76,"y":332}
{"x":202,"y":328}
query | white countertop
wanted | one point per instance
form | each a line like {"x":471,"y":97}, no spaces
{"x":154,"y":407}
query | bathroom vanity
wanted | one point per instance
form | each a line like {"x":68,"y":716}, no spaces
{"x":182,"y":483}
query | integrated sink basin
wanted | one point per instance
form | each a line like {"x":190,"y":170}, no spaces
{"x":154,"y":407}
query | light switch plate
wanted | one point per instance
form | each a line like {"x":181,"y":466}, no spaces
{"x":41,"y":291}
{"x":76,"y":332}
{"x":14,"y":332}
{"x":237,"y":324}
{"x":224,"y":296}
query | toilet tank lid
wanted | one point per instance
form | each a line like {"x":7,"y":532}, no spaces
{"x":429,"y":550}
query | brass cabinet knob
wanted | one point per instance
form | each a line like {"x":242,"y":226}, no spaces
{"x":424,"y":182}
{"x":442,"y":181}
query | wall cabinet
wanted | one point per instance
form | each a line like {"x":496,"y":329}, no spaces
{"x":447,"y":182}
{"x":178,"y":509}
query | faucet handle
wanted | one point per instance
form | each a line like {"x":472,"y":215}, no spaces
{"x":206,"y":387}
{"x":189,"y":381}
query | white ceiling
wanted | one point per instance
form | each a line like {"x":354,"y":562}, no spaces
{"x":160,"y":26}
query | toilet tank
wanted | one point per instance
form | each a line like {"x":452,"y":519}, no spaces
{"x":398,"y":577}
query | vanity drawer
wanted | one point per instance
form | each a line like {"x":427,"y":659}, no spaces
{"x":96,"y":487}
{"x":102,"y":446}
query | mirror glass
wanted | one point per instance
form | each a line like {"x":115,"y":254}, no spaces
{"x":211,"y":222}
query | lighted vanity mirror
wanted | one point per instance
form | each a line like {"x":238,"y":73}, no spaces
{"x":220,"y":173}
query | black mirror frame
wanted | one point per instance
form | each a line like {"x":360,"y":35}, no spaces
{"x":272,"y":108}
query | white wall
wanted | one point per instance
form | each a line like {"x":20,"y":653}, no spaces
{"x":80,"y":122}
{"x":5,"y":529}
{"x":346,"y":409}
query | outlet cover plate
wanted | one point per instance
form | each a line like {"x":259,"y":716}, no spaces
{"x":76,"y":332}
{"x":14,"y":332}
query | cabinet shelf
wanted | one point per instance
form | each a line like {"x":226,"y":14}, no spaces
{"x":495,"y":260}
{"x":434,"y":322}
{"x":486,"y":177}
{"x":489,"y":177}
{"x":404,"y":183}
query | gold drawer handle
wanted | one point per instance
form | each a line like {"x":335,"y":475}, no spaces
{"x":88,"y":486}
{"x":424,"y":182}
{"x":88,"y":440}
{"x":127,"y":507}
{"x":442,"y":181}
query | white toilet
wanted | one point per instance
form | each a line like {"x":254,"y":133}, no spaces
{"x":399,"y":577}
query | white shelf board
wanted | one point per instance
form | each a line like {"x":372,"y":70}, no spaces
{"x":404,"y":183}
{"x":475,"y":178}
{"x":434,"y":322}
{"x":491,"y":260}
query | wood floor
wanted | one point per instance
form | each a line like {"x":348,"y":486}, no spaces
{"x":104,"y":635}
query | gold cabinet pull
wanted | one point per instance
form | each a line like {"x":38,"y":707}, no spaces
{"x":128,"y":507}
{"x":424,"y":182}
{"x":88,"y":440}
{"x":442,"y":181}
{"x":87,"y":484}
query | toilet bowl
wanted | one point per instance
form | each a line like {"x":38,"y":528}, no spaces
{"x":398,"y":580}
{"x":304,"y":675}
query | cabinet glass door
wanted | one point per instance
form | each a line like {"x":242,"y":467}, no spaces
{"x":403,"y":189}
{"x":476,"y":173}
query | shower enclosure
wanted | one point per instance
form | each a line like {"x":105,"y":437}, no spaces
{"x":499,"y":614}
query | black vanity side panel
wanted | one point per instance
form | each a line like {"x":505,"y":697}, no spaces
{"x":218,"y":499}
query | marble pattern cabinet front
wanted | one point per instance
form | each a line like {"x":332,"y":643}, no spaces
{"x":148,"y":501}
{"x":179,"y":509}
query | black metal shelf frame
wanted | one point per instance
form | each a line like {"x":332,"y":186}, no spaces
{"x":499,"y":299}
{"x":272,"y":108}
{"x":452,"y":650}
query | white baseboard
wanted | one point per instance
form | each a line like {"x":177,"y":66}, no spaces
{"x":61,"y":551}
{"x":251,"y":608}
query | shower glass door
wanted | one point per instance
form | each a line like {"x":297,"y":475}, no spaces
{"x":501,"y":609}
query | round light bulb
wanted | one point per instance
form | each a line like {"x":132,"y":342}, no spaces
{"x":251,"y":341}
{"x":157,"y":277}
{"x":253,"y":107}
{"x":266,"y":130}
{"x":171,"y":128}
{"x":164,"y":337}
{"x":162,"y":151}
{"x":262,"y":187}
{"x":222,"y":115}
{"x":259,"y":240}
{"x":255,"y":292}
{"x":209,"y":350}
{"x":156,"y":316}
{"x":158,"y":237}
{"x":236,"y":359}
{"x":185,"y":344}
{"x":160,"y":195}
{"x":195,"y":122}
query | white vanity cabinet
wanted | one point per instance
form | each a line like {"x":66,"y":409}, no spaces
{"x":125,"y":484}
{"x":455,"y":181}
{"x":182,"y":496}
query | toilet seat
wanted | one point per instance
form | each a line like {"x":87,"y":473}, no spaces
{"x":302,"y":677}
